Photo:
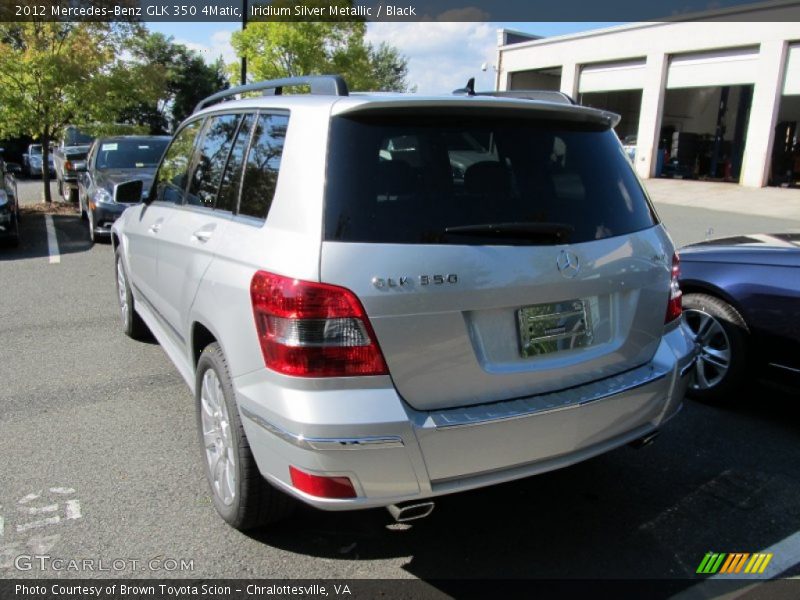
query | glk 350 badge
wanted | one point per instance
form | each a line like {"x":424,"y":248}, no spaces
{"x":403,"y":281}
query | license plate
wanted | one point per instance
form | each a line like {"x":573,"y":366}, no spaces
{"x":547,"y":328}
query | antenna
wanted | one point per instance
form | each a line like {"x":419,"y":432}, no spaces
{"x":468,"y":90}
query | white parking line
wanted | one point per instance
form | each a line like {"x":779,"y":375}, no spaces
{"x":52,"y":242}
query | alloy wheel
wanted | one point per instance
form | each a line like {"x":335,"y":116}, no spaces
{"x":217,"y":438}
{"x":714,"y":359}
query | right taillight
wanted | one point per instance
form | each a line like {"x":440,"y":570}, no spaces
{"x":68,"y":165}
{"x":309,"y":329}
{"x":674,"y":306}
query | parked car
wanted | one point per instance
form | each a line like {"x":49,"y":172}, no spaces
{"x":362,"y":330}
{"x":741,"y":298}
{"x":9,"y":207}
{"x":32,"y":161}
{"x":70,"y":160}
{"x":111,"y":161}
{"x":629,"y":145}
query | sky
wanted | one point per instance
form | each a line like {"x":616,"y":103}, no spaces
{"x":441,"y":56}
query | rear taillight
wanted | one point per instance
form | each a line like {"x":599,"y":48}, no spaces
{"x":674,"y":306}
{"x":322,"y":487}
{"x":68,"y":165}
{"x":311,"y":329}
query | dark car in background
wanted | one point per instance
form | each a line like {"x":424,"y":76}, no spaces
{"x":70,"y":161}
{"x":113,"y":161}
{"x":9,"y":207}
{"x":741,"y":301}
{"x":32,"y":161}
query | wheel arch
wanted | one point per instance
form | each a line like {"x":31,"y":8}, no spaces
{"x":200,"y":337}
{"x":694,"y":286}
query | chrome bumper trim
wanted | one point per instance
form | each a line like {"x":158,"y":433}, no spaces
{"x":546,"y":403}
{"x":359,"y":443}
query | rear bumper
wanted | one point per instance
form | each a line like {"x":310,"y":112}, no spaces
{"x":393,"y":453}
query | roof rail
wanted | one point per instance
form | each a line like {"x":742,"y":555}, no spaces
{"x":546,"y":95}
{"x":324,"y":85}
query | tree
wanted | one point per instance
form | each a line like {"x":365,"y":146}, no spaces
{"x":278,"y":49}
{"x":59,"y":73}
{"x":188,"y":79}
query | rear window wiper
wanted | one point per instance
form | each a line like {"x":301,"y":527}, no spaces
{"x":558,"y":232}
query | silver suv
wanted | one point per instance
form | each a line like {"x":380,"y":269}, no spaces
{"x":379,"y":299}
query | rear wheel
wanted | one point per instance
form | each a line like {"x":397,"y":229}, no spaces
{"x":721,"y":334}
{"x":132,"y":323}
{"x":242,"y":497}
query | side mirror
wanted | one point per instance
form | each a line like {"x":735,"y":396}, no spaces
{"x":129,"y":192}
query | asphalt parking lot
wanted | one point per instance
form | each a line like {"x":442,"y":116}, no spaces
{"x":101,"y":461}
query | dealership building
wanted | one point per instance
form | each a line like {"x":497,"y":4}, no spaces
{"x":715,"y":97}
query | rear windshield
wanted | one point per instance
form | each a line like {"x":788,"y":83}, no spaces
{"x":492,"y":180}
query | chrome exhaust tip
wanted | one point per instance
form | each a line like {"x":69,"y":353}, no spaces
{"x":411,"y":511}
{"x":645,"y":440}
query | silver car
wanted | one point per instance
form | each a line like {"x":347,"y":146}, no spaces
{"x":365,"y":325}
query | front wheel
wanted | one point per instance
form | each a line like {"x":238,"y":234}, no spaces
{"x":242,"y":497}
{"x":132,"y":324}
{"x":721,"y":335}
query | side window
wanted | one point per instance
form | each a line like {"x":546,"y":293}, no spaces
{"x":172,"y":176}
{"x":212,"y":156}
{"x":263,"y":164}
{"x":232,"y":177}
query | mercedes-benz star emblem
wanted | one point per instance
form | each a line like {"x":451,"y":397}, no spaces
{"x":568,"y":264}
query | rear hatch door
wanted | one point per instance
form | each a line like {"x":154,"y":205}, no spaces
{"x":498,"y":255}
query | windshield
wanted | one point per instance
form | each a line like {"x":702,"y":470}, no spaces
{"x":130,"y":154}
{"x":74,"y":137}
{"x":478,"y":179}
{"x":36,"y":149}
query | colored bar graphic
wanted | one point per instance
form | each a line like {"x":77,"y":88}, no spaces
{"x":729,"y":564}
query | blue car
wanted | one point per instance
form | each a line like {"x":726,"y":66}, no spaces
{"x":741,"y":301}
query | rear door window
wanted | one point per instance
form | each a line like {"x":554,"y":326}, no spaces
{"x":478,"y":180}
{"x":263,"y":164}
{"x":212,"y":157}
{"x":232,"y":177}
{"x":173,"y":174}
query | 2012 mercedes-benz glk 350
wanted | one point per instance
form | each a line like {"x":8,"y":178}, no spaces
{"x":378,"y":299}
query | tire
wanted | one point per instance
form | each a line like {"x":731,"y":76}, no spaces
{"x":722,"y":334}
{"x":242,"y":497}
{"x":72,"y":195}
{"x":60,"y":186}
{"x":90,"y":225}
{"x":132,"y":324}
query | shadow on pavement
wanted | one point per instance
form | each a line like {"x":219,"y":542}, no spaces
{"x":706,"y":484}
{"x":71,"y":234}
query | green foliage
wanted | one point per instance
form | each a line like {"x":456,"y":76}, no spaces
{"x":289,"y":49}
{"x":187,"y":81}
{"x":54,"y":74}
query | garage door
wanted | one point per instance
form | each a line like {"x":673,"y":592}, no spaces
{"x":732,"y":66}
{"x":791,"y":85}
{"x":609,"y":77}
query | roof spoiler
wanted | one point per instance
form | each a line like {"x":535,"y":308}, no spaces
{"x":545,"y":95}
{"x":324,"y":85}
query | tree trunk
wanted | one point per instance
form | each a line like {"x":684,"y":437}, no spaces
{"x":46,"y":166}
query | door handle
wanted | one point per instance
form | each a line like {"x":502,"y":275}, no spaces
{"x":155,"y":227}
{"x":202,"y":235}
